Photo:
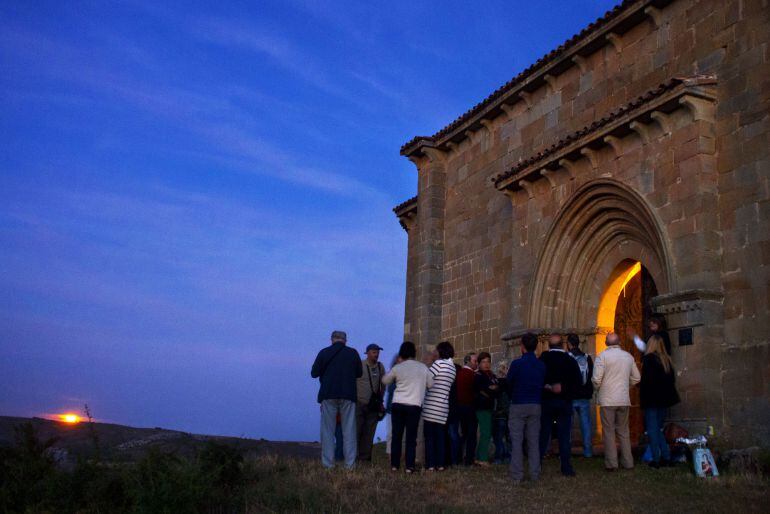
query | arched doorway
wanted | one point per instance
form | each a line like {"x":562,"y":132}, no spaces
{"x":626,"y":304}
{"x":602,"y":241}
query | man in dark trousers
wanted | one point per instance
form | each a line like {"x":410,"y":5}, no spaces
{"x":525,"y":380}
{"x":562,"y":381}
{"x":337,"y":367}
{"x":370,"y":407}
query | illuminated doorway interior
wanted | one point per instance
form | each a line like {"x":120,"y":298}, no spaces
{"x":625,"y":305}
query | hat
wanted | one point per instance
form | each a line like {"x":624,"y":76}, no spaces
{"x":339,"y":335}
{"x":374,"y":347}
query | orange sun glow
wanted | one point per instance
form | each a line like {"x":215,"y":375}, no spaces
{"x":69,"y":418}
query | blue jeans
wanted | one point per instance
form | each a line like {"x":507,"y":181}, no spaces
{"x":653,"y":424}
{"x":582,"y":409}
{"x":347,"y":412}
{"x":339,"y":452}
{"x":558,"y":410}
{"x":435,"y":443}
{"x":453,"y":431}
{"x":500,"y":437}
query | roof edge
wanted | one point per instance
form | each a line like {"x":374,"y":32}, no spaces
{"x":620,"y":19}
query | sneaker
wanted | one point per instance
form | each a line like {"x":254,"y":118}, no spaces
{"x":409,"y":471}
{"x":653,"y":464}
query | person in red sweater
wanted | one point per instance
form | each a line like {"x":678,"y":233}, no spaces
{"x":466,"y":410}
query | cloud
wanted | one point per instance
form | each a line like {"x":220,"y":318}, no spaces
{"x":232,"y":138}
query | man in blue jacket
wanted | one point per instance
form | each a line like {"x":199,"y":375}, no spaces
{"x":337,"y":367}
{"x":525,"y":380}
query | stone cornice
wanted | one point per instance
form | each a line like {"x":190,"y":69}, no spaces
{"x":406,"y":213}
{"x":604,"y":31}
{"x":654,"y":106}
{"x":685,"y":301}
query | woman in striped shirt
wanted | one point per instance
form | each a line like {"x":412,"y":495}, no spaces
{"x":435,"y":408}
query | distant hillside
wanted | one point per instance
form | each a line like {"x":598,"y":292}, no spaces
{"x":123,"y":443}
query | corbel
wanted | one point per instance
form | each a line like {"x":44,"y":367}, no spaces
{"x":551,"y":81}
{"x":641,"y":129}
{"x":615,"y":41}
{"x":434,"y":154}
{"x":408,"y":221}
{"x":416,"y":160}
{"x":616,"y":143}
{"x":655,"y":14}
{"x":549,"y":176}
{"x":590,"y":154}
{"x":581,"y":62}
{"x":527,"y":97}
{"x":454,"y":147}
{"x":664,"y":120}
{"x":527,"y":186}
{"x":508,"y":110}
{"x":700,"y":108}
{"x":472,"y":136}
{"x":488,"y":125}
{"x":570,"y":166}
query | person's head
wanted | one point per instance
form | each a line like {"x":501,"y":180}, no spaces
{"x":613,"y":339}
{"x":574,"y":341}
{"x":430,"y":357}
{"x":471,"y":360}
{"x":373,"y":353}
{"x":485,"y":361}
{"x":338,"y":336}
{"x":656,"y":324}
{"x":502,"y":369}
{"x":656,"y":346}
{"x":528,"y":343}
{"x":445,"y":350}
{"x":555,"y":341}
{"x":407,"y":350}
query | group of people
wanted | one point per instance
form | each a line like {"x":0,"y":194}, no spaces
{"x":459,"y":409}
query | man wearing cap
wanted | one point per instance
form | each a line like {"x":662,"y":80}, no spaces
{"x":369,"y":408}
{"x":337,"y":367}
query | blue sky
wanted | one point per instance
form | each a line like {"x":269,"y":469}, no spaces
{"x":193,"y":195}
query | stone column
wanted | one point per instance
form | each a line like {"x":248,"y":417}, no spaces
{"x":431,"y":200}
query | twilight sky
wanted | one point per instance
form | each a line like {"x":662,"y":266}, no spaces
{"x":193,"y":196}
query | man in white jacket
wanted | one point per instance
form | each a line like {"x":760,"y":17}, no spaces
{"x":614,"y":373}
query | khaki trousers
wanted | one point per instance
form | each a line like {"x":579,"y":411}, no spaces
{"x":615,"y":423}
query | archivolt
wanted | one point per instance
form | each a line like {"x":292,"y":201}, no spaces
{"x":604,"y":223}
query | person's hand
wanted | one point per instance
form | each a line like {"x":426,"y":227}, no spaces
{"x":494,"y":387}
{"x":630,"y":332}
{"x":556,"y":388}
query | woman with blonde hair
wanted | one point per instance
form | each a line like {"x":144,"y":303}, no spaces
{"x":657,"y":393}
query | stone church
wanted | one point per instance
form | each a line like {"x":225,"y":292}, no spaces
{"x":625,"y":173}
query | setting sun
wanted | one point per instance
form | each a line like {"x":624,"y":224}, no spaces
{"x":69,"y":418}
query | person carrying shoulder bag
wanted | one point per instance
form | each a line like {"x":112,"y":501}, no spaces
{"x":370,"y":408}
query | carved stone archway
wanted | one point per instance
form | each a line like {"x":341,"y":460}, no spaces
{"x":603,"y":224}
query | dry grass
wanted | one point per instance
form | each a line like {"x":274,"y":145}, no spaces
{"x":281,"y":485}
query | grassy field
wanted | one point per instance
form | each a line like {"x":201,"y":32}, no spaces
{"x":220,"y":476}
{"x":285,"y":485}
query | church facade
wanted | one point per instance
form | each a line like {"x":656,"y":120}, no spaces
{"x":624,"y":174}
